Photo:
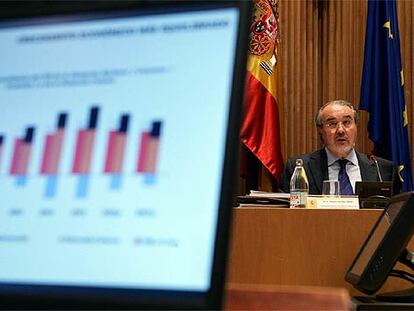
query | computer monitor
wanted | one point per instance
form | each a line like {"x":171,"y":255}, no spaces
{"x":374,"y":194}
{"x":385,"y":245}
{"x":119,"y":136}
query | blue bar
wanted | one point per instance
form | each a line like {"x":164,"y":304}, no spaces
{"x":51,"y":186}
{"x":116,"y":181}
{"x":21,"y":180}
{"x":150,"y":179}
{"x":82,"y":188}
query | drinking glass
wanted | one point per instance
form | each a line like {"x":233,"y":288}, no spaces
{"x":330,"y":188}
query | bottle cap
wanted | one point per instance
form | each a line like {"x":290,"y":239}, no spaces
{"x":299,"y":162}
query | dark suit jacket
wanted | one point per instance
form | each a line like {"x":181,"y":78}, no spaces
{"x":316,"y":167}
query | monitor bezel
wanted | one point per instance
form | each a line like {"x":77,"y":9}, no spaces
{"x":389,"y":248}
{"x":18,"y":296}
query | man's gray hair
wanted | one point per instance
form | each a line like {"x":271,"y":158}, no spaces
{"x":318,"y":117}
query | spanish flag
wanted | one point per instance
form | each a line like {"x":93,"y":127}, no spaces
{"x":260,"y":130}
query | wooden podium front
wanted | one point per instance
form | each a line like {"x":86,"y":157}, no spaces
{"x":299,"y":247}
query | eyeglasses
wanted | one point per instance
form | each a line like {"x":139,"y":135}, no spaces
{"x":333,"y":125}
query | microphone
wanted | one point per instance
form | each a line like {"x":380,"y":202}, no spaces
{"x":374,"y":159}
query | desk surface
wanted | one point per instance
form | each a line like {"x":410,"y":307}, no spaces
{"x":299,"y":247}
{"x":276,"y":297}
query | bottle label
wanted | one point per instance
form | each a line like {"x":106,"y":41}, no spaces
{"x":298,"y":199}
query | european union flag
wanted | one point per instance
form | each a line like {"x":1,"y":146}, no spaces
{"x":382,"y":89}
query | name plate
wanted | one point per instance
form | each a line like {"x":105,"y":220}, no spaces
{"x":345,"y":202}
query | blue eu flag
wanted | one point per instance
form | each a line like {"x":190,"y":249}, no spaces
{"x":382,"y":88}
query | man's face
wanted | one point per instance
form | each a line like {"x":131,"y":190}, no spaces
{"x":339,"y":130}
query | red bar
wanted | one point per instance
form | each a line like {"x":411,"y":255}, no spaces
{"x":16,"y":153}
{"x":51,"y":153}
{"x":20,"y":161}
{"x":110,"y":152}
{"x":47,"y":154}
{"x":148,"y":155}
{"x":152,"y":154}
{"x":115,"y":152}
{"x":83,"y":152}
{"x":57,"y":150}
{"x":141,"y":165}
{"x":118,"y":157}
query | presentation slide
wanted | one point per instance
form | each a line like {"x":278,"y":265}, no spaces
{"x":112,"y":137}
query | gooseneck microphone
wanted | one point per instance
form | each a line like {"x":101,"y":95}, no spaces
{"x":373,"y":158}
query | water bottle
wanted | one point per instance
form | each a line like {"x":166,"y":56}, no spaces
{"x":299,"y":186}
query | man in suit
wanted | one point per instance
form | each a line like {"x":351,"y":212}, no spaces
{"x":336,"y":123}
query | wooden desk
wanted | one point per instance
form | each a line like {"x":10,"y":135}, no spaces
{"x":278,"y":297}
{"x":300,"y":247}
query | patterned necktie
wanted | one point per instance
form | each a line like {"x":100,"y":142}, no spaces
{"x":344,"y":183}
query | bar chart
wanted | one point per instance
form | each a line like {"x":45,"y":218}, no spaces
{"x":105,"y":134}
{"x":82,"y":151}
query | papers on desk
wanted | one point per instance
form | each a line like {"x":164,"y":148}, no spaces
{"x":264,"y":194}
{"x":261,"y":198}
{"x":264,"y":198}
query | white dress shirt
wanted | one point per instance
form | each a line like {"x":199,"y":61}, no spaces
{"x":352,"y":167}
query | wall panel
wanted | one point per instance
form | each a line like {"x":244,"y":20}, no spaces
{"x":300,"y":54}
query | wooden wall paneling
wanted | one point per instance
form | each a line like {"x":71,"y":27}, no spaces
{"x":296,"y":103}
{"x":301,"y":103}
{"x":338,"y":65}
{"x":288,"y":36}
{"x":299,"y":25}
{"x":288,"y":66}
{"x":340,"y":41}
{"x":360,"y":13}
{"x":281,"y":83}
{"x":311,"y":66}
{"x":317,"y":70}
{"x":349,"y":51}
{"x":358,"y":18}
{"x":329,"y":72}
{"x":323,"y":60}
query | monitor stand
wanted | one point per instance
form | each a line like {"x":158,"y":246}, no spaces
{"x":406,"y":295}
{"x":397,"y":300}
{"x":371,"y":303}
{"x":402,"y":296}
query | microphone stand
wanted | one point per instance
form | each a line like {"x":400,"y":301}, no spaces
{"x":373,"y":158}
